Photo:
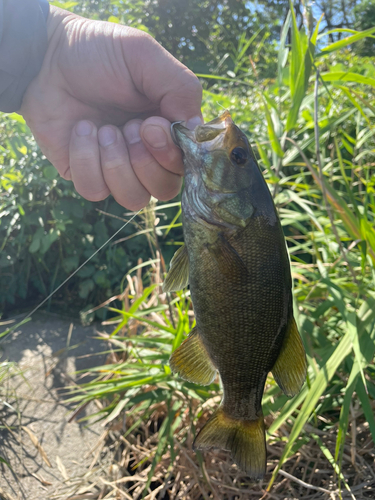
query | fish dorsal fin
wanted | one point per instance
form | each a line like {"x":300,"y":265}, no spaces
{"x":229,"y":262}
{"x":192,"y":362}
{"x":178,"y":275}
{"x":290,"y":368}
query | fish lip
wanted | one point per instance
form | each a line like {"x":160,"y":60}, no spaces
{"x":204,"y":138}
{"x":178,"y":129}
{"x":221,"y":124}
{"x":173,"y":135}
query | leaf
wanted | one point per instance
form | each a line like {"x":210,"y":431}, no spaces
{"x":64,"y":5}
{"x":348,"y":40}
{"x":283,"y":50}
{"x":113,"y":19}
{"x":315,"y":392}
{"x":37,"y":445}
{"x":331,"y":460}
{"x":302,"y":64}
{"x":86,"y":271}
{"x":85,"y":287}
{"x":355,"y":102}
{"x":61,"y":468}
{"x":3,"y":461}
{"x":296,"y":59}
{"x":35,"y":244}
{"x":275,"y":144}
{"x":352,"y":329}
{"x":49,"y":172}
{"x":266,"y":162}
{"x":343,"y":76}
{"x":5,"y":496}
{"x":367,"y":407}
{"x":41,"y":479}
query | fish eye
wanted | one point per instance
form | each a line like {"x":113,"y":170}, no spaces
{"x":239,"y":156}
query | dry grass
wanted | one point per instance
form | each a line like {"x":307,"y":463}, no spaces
{"x":182,"y":473}
{"x":212,"y":475}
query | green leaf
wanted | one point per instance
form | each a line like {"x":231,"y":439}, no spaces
{"x":297,"y":58}
{"x":113,"y":19}
{"x":283,"y":50}
{"x":347,"y":76}
{"x":367,"y":407}
{"x":49,"y":172}
{"x":85,"y":287}
{"x":36,"y":241}
{"x":315,"y":392}
{"x":354,"y":101}
{"x":302,"y":60}
{"x":3,"y":461}
{"x":348,"y":40}
{"x":275,"y":144}
{"x":331,"y":460}
{"x":86,"y":271}
{"x":64,"y":5}
{"x":35,"y":244}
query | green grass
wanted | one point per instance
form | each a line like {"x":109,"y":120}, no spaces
{"x":313,"y":129}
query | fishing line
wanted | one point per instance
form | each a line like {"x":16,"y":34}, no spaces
{"x":80,"y":267}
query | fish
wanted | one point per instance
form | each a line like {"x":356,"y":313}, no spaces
{"x":236,"y":263}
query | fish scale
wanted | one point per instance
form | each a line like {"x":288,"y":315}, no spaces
{"x":230,"y":326}
{"x":236,"y":262}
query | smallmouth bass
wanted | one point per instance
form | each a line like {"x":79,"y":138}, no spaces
{"x":236,"y":262}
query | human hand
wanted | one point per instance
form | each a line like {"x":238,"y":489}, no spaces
{"x":100,"y":110}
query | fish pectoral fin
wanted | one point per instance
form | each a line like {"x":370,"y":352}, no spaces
{"x":245,"y":439}
{"x":192,"y":362}
{"x":229,"y":262}
{"x":178,"y":275}
{"x":290,"y":368}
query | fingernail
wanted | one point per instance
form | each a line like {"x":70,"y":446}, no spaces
{"x":155,"y":136}
{"x":83,"y":128}
{"x":131,"y":133}
{"x":106,"y":136}
{"x":193,"y":122}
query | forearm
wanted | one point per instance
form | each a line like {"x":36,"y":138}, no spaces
{"x":23,"y":43}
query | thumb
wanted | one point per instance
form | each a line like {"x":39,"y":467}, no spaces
{"x":166,"y":82}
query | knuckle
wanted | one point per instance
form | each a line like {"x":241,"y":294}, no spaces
{"x":112,"y":164}
{"x":191,"y":83}
{"x":145,"y":163}
{"x":80,"y":161}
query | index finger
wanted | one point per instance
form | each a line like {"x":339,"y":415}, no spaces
{"x":156,"y":136}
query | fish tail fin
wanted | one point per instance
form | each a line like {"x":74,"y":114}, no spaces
{"x":245,"y":439}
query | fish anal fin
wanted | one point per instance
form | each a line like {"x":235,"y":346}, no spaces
{"x":192,"y":362}
{"x":178,"y":275}
{"x":245,"y":439}
{"x":290,"y":368}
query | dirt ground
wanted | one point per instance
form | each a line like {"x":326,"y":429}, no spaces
{"x":35,"y":402}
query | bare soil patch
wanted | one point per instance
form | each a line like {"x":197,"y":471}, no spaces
{"x":44,"y":450}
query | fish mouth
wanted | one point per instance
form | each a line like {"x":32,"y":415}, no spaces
{"x":211,"y":134}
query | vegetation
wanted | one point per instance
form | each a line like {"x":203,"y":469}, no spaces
{"x":47,"y":230}
{"x":312,"y":125}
